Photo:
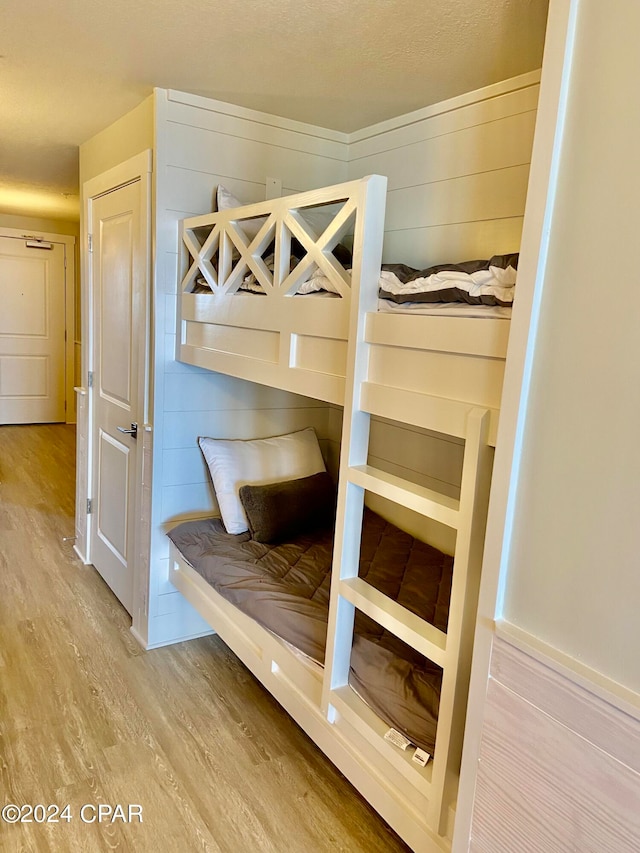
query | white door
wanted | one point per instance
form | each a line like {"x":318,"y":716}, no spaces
{"x":118,"y":279}
{"x":32,"y":329}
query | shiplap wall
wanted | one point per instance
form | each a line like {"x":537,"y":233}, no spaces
{"x":457,"y":183}
{"x":199,"y":144}
{"x":457,"y":174}
{"x":559,"y":765}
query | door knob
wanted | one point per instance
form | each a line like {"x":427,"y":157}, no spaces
{"x":133,"y":432}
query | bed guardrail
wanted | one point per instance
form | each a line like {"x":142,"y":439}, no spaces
{"x":279,"y":249}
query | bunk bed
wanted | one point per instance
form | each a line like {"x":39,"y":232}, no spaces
{"x":443,"y":373}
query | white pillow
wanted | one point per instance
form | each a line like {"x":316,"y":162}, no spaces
{"x":234,"y":463}
{"x":317,"y":218}
{"x":226,"y":200}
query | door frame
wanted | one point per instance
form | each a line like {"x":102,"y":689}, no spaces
{"x":137,"y":168}
{"x":68,"y":243}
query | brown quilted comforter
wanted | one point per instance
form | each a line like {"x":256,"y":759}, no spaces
{"x":285,"y":588}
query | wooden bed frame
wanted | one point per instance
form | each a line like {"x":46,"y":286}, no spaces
{"x":300,"y":344}
{"x":440,"y":373}
{"x":293,"y":343}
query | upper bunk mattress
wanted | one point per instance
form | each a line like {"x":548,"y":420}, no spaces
{"x":285,"y":588}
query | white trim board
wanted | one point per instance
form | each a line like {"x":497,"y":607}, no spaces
{"x":504,"y":87}
{"x":606,"y":689}
{"x":117,"y":176}
{"x":227,"y":109}
{"x":47,"y":236}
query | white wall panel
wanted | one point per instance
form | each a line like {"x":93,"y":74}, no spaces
{"x":169,"y":273}
{"x":182,"y":623}
{"x":188,"y":189}
{"x":170,"y":313}
{"x":476,"y":108}
{"x":573,"y":576}
{"x":200,"y":144}
{"x":193,"y":148}
{"x":233,"y":121}
{"x":160,"y":550}
{"x":499,"y":194}
{"x":420,"y":247}
{"x":219,"y":392}
{"x":165,"y":604}
{"x":216,"y":392}
{"x":473,"y":150}
{"x":183,"y":465}
{"x":188,"y":501}
{"x":457,"y":175}
{"x":436,"y":461}
{"x":169,"y":350}
{"x":163,"y":585}
{"x":182,"y":431}
{"x":559,"y":766}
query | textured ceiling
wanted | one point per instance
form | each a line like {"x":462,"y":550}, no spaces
{"x":70,"y":68}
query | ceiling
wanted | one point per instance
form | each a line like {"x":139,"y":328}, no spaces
{"x":70,"y":68}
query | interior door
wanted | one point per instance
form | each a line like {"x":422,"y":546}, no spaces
{"x":118,"y":338}
{"x":32,"y":330}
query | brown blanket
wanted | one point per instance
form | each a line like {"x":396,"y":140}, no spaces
{"x":285,"y":588}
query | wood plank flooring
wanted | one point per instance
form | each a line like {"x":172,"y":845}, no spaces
{"x":87,"y":717}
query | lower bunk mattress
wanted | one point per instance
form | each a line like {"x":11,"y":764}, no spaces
{"x":285,"y":588}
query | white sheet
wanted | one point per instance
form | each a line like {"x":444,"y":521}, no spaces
{"x":494,"y":282}
{"x":318,"y":286}
{"x":445,"y":309}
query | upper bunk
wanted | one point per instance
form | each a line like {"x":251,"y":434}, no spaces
{"x":271,"y":293}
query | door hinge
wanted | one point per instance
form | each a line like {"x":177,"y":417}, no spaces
{"x":89,"y":506}
{"x":90,"y":379}
{"x":90,"y":241}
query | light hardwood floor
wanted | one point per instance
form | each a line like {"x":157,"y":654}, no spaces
{"x":88,"y":717}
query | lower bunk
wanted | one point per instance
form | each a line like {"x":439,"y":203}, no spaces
{"x":270,"y":603}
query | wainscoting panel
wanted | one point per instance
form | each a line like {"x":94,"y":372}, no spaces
{"x":559,"y":766}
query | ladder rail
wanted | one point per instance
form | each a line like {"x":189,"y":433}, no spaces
{"x":451,"y":650}
{"x":367,"y":259}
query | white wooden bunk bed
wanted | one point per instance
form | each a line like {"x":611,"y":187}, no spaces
{"x":437,"y":372}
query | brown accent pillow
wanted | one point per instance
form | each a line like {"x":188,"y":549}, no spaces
{"x":280,"y":511}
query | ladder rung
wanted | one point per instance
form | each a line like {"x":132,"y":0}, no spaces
{"x":425,"y":501}
{"x":423,"y":410}
{"x":358,"y":714}
{"x":420,"y":635}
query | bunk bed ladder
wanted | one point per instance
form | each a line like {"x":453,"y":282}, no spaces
{"x":451,"y":650}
